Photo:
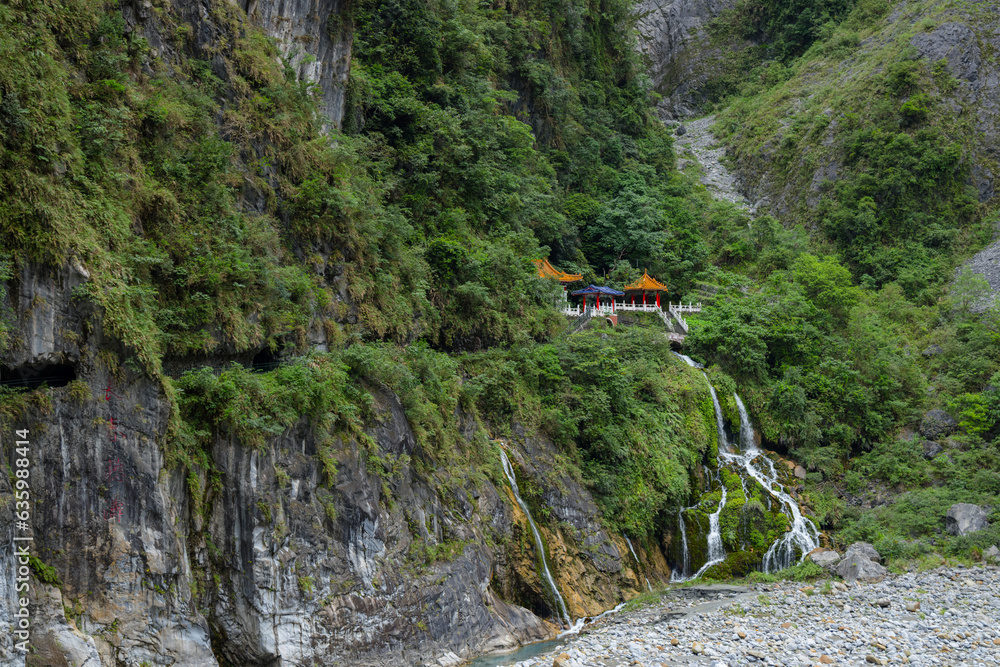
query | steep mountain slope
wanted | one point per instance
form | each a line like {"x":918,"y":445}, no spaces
{"x":865,"y":130}
{"x":269,"y":315}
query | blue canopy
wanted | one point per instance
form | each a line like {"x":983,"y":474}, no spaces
{"x":594,"y":289}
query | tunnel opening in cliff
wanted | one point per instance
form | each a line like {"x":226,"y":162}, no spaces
{"x":32,"y":376}
{"x":266,"y":360}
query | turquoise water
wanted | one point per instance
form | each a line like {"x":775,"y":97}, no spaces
{"x":523,"y":653}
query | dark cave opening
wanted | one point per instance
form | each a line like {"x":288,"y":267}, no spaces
{"x":265,"y":360}
{"x":33,"y":376}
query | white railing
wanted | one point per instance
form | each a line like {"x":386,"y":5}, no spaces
{"x":675,"y":309}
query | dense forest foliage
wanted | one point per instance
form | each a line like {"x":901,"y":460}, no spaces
{"x":215,"y":219}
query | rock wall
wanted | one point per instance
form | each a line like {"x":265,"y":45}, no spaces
{"x":270,"y":564}
{"x":679,"y":51}
{"x":313,"y":36}
{"x":125,"y":593}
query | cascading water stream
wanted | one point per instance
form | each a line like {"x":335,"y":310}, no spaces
{"x":716,"y":553}
{"x":719,"y":421}
{"x":751,"y":463}
{"x":802,"y":534}
{"x":685,"y":554}
{"x":748,"y":441}
{"x":539,"y":546}
{"x":630,"y":548}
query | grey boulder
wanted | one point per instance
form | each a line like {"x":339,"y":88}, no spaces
{"x":866,"y":550}
{"x":825,"y":559}
{"x":931,"y":449}
{"x":861,"y":563}
{"x":963,"y":518}
{"x":937,"y":423}
{"x":992,"y":555}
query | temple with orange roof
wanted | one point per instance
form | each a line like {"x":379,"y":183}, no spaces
{"x":609,"y":306}
{"x":645,"y":285}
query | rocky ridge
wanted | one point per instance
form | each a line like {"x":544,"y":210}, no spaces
{"x":681,"y":56}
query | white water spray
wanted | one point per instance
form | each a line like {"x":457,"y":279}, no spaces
{"x":630,"y":548}
{"x":748,"y":441}
{"x":720,"y":423}
{"x":752,"y":463}
{"x":539,"y":546}
{"x":685,"y":554}
{"x":716,"y":553}
{"x":802,"y":534}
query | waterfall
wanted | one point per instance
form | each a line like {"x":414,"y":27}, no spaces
{"x":716,"y":554}
{"x":688,"y":360}
{"x":685,"y":552}
{"x":629,"y":542}
{"x":752,"y":463}
{"x":748,"y":442}
{"x":508,"y":470}
{"x":803,"y":534}
{"x":686,"y":555}
{"x":720,"y":423}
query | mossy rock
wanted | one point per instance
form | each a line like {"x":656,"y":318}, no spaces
{"x":696,"y":523}
{"x":754,"y":525}
{"x":737,"y":564}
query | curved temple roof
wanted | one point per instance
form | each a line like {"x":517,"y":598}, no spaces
{"x":647,"y":284}
{"x":594,"y":289}
{"x":546,"y":270}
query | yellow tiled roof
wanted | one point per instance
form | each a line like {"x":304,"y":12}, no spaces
{"x":647,"y":284}
{"x":546,"y":270}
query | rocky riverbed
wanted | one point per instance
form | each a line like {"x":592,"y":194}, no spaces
{"x":940,"y":617}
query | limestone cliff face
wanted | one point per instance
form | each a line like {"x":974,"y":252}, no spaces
{"x":313,"y":36}
{"x":127,"y":585}
{"x":680,"y":54}
{"x":269,"y":566}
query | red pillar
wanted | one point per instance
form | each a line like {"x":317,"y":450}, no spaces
{"x":597,"y":300}
{"x":657,"y":299}
{"x":644,"y":297}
